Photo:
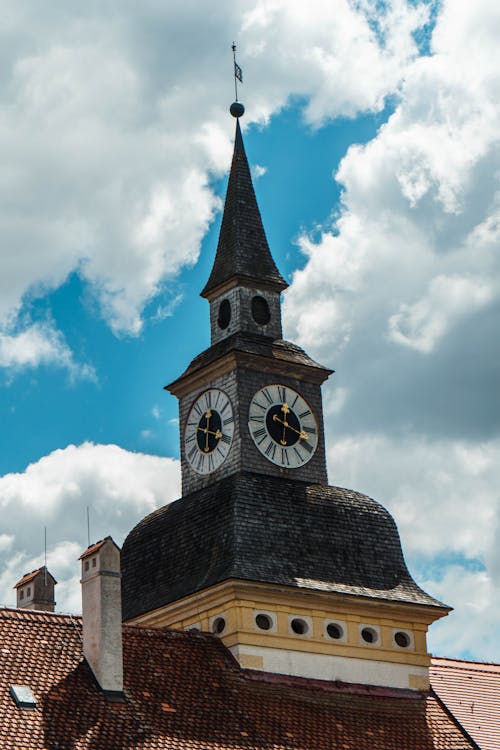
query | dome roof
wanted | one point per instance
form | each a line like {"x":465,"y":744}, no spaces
{"x":269,"y":530}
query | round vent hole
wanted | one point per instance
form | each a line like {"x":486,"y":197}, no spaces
{"x":299,"y":626}
{"x":218,"y":625}
{"x":260,"y":311}
{"x":369,"y":635}
{"x":402,"y":639}
{"x":224,"y":316}
{"x":334,"y":631}
{"x":263,"y":622}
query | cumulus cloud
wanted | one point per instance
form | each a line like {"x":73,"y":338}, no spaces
{"x":411,"y":267}
{"x":406,"y":290}
{"x":445,"y":498}
{"x":112,"y":128}
{"x":37,"y":344}
{"x":118,"y":487}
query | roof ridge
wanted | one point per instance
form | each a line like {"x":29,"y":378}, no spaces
{"x":36,"y":614}
{"x":466,"y":662}
{"x":333,"y":686}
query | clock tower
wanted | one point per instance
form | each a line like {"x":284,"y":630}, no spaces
{"x":251,"y":402}
{"x":294,"y":575}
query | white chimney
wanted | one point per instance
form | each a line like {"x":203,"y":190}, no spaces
{"x":102,"y":614}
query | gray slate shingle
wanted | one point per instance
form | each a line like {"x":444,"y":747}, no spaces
{"x":271,"y":530}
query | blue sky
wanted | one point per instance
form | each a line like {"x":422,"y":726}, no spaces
{"x":375,"y":151}
{"x":120,"y":404}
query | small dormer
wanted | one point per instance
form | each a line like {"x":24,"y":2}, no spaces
{"x":35,"y":590}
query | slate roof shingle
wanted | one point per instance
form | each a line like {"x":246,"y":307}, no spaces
{"x":184,"y":691}
{"x":242,"y":250}
{"x":272,"y":530}
{"x":275,"y":349}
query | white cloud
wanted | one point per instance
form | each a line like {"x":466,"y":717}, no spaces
{"x":411,"y":269}
{"x":258,"y":171}
{"x":424,"y":323}
{"x":109,"y":131}
{"x":118,"y":486}
{"x":444,"y":493}
{"x":472,"y":628}
{"x":40,"y":344}
{"x":445,"y":498}
{"x":405,"y":289}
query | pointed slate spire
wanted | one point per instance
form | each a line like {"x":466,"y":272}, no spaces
{"x":243,"y":254}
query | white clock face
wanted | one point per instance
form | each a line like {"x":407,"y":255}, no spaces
{"x":209,"y":431}
{"x":283,"y":426}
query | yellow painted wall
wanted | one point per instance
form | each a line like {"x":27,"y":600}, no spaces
{"x":238,"y":601}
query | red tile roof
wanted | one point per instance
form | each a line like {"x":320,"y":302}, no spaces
{"x":30,"y":576}
{"x":94,"y":547}
{"x":184,"y":691}
{"x":471,"y":691}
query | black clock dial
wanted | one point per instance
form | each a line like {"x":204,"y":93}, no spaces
{"x":209,"y":431}
{"x":283,"y":426}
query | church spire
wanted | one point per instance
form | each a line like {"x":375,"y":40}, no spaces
{"x":243,"y":253}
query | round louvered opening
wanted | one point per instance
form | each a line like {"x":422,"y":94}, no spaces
{"x":263,"y":622}
{"x":299,"y":626}
{"x":334,"y":631}
{"x":369,"y":635}
{"x":402,"y":639}
{"x":218,"y":625}
{"x":260,"y":311}
{"x":224,"y":316}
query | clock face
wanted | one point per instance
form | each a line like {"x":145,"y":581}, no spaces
{"x":209,"y":431}
{"x":283,"y":426}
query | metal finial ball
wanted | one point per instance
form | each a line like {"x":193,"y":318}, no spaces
{"x":237,"y":109}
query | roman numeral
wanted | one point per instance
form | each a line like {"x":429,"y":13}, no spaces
{"x":208,"y":399}
{"x":256,"y":403}
{"x":305,"y":413}
{"x":295,"y":400}
{"x":284,"y":457}
{"x":228,"y":421}
{"x":197,"y":409}
{"x":226,"y":439}
{"x":310,"y":430}
{"x":267,"y":395}
{"x":192,"y":453}
{"x":224,"y":407}
{"x":259,"y":420}
{"x":282,"y":393}
{"x":301,"y":459}
{"x":211,"y":464}
{"x":190,"y":438}
{"x":217,"y":399}
{"x":306,"y":446}
{"x":271,"y":450}
{"x":201,"y":461}
{"x":259,"y":435}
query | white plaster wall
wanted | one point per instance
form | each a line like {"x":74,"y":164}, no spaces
{"x":326,"y":667}
{"x":101,"y":611}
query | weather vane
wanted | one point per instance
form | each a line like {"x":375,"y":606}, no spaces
{"x":236,"y":108}
{"x":238,"y":73}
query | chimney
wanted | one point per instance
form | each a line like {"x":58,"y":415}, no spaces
{"x":102,"y":615}
{"x":35,"y":590}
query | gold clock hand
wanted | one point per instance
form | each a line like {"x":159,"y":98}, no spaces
{"x":303,"y":435}
{"x":208,"y":414}
{"x":217,"y":433}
